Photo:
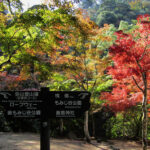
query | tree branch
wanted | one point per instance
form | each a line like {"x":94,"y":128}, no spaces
{"x":5,"y":63}
{"x":137,"y":84}
{"x":143,"y":54}
{"x":94,"y":85}
{"x":80,"y":85}
{"x":8,"y":61}
{"x":9,"y":6}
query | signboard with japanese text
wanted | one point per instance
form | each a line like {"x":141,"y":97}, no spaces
{"x":45,"y":103}
{"x":67,"y":104}
{"x":21,"y":103}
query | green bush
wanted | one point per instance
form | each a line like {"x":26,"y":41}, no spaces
{"x":125,"y":125}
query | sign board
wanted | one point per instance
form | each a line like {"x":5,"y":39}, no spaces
{"x":49,"y":104}
{"x":21,"y":103}
{"x":44,"y":104}
{"x":67,"y":104}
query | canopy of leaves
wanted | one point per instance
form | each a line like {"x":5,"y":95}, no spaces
{"x":131,"y":55}
{"x":126,"y":10}
{"x":32,"y":40}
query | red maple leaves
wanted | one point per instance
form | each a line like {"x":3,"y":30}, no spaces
{"x":131,"y":57}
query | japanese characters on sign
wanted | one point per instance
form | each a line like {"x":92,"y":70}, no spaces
{"x":23,"y":113}
{"x":21,"y":103}
{"x":52,"y":104}
{"x":65,"y":113}
{"x":66,"y":104}
{"x":28,"y":95}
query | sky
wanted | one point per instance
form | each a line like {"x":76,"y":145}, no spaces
{"x":30,"y":3}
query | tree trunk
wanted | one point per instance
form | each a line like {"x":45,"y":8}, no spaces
{"x":93,"y":126}
{"x":86,"y":129}
{"x":144,"y":121}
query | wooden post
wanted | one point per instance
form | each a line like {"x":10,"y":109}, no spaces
{"x":45,"y":131}
{"x":45,"y":135}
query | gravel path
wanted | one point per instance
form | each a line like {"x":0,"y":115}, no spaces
{"x":28,"y":141}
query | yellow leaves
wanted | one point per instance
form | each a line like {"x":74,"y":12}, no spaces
{"x":86,"y":58}
{"x":37,"y":52}
{"x":135,"y":4}
{"x":85,"y":23}
{"x":70,"y":5}
{"x":103,"y":38}
{"x":87,"y":45}
{"x":32,"y":52}
{"x":24,"y":74}
{"x":102,"y":34}
{"x":2,"y":17}
{"x":83,"y":59}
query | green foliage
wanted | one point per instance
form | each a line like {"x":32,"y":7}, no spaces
{"x":60,"y":83}
{"x":32,"y":41}
{"x":106,"y":17}
{"x":114,"y":11}
{"x":125,"y":125}
{"x":14,"y":6}
{"x":123,"y":25}
{"x":88,"y":4}
{"x":126,"y":27}
{"x":104,"y":86}
{"x":148,"y":134}
{"x":4,"y":126}
{"x":120,"y":10}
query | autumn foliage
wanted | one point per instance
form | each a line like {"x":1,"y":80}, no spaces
{"x":131,"y":68}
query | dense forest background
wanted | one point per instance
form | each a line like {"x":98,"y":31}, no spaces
{"x":63,"y":47}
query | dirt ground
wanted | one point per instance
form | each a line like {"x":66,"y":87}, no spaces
{"x":28,"y":141}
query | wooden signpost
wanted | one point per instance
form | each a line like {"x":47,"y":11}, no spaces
{"x":44,"y":104}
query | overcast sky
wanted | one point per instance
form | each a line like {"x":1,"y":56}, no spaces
{"x":29,"y":3}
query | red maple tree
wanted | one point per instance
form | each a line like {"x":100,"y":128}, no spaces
{"x":131,"y":71}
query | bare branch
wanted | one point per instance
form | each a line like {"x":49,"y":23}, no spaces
{"x":142,"y":73}
{"x":9,"y":6}
{"x":143,"y":54}
{"x":137,"y":84}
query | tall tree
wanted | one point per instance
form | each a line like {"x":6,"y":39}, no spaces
{"x":86,"y":59}
{"x":131,"y":71}
{"x":30,"y":40}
